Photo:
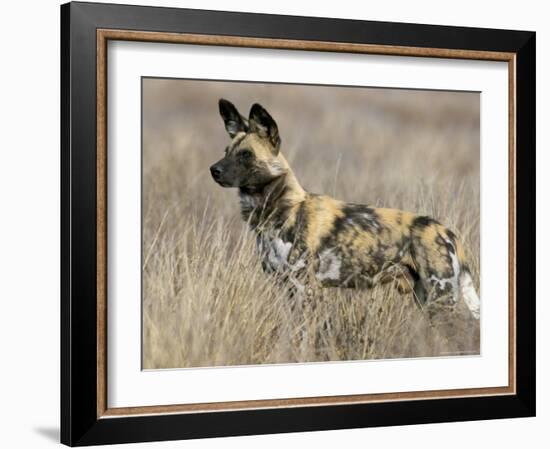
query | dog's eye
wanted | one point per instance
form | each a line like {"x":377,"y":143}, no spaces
{"x":245,"y":155}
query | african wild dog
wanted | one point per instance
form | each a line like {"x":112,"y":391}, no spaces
{"x":340,"y":244}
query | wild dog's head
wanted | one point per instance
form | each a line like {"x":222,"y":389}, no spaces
{"x":252,"y":159}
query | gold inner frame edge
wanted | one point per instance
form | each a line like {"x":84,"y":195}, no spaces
{"x":103,"y":36}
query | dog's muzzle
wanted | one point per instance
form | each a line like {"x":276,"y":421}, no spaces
{"x":216,"y":172}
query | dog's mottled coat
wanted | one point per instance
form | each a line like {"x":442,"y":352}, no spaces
{"x":328,"y":242}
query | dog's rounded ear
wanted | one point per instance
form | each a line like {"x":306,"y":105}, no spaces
{"x":263,"y":124}
{"x":234,"y":122}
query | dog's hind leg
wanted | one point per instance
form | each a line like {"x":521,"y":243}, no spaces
{"x":440,"y":263}
{"x":419,"y":292}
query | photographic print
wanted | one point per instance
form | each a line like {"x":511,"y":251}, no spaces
{"x":297,"y":207}
{"x":287,"y":223}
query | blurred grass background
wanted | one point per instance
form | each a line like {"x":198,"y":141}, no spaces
{"x":206,"y":301}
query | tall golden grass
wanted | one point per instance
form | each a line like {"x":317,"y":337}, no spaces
{"x":206,"y":300}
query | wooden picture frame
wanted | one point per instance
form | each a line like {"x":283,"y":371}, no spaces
{"x":85,"y":417}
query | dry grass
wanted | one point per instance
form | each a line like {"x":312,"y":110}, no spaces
{"x":206,"y":301}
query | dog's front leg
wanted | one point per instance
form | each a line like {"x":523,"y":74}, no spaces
{"x":300,"y":292}
{"x":301,"y":279}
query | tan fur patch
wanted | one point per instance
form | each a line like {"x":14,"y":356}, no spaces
{"x":359,"y":240}
{"x":321,"y":212}
{"x":435,"y":252}
{"x":392,"y":217}
{"x":397,"y":222}
{"x":262,"y":150}
{"x":460,"y":252}
{"x":292,"y":215}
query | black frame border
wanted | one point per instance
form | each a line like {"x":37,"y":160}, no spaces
{"x":79,"y":422}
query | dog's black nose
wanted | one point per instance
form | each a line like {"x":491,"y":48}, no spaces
{"x":216,"y":171}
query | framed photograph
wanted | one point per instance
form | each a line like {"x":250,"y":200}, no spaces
{"x":280,"y":224}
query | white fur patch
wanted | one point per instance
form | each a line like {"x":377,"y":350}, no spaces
{"x":440,"y":283}
{"x":329,"y":266}
{"x":371,"y":220}
{"x":456,"y":270}
{"x":278,"y":253}
{"x":276,"y":168}
{"x":469,"y":294}
{"x":248,"y":202}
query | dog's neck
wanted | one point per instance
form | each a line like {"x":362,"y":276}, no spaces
{"x":273,"y":200}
